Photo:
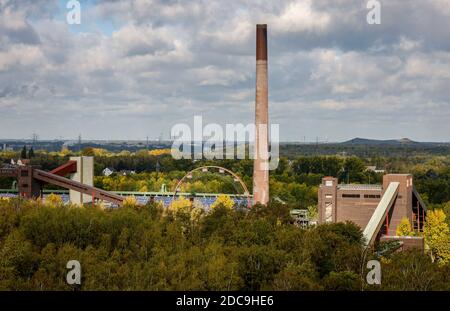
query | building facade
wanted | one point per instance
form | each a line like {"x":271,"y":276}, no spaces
{"x":357,"y":203}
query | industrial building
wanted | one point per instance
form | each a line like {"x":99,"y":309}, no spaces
{"x":377,"y":209}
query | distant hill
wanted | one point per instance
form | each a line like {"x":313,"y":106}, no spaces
{"x":366,"y":141}
{"x":364,"y":147}
{"x":390,"y":142}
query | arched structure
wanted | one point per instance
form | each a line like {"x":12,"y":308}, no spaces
{"x":221,"y":170}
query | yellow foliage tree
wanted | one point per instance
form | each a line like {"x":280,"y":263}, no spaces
{"x":144,"y":188}
{"x":64,"y":151}
{"x":124,"y":153}
{"x":98,"y":152}
{"x":181,"y":205}
{"x":130,"y":201}
{"x":158,"y":152}
{"x":53,"y":200}
{"x":404,"y":228}
{"x":223,"y":200}
{"x":196,"y":214}
{"x":437,"y":236}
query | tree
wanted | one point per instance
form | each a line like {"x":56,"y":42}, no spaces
{"x":31,"y":153}
{"x":181,"y":205}
{"x":88,"y":151}
{"x":54,"y":200}
{"x":353,"y":171}
{"x":297,"y":277}
{"x":23,"y":153}
{"x":130,"y":201}
{"x":342,"y":281}
{"x":437,"y":236}
{"x":313,"y":212}
{"x":223,"y":200}
{"x":404,"y":228}
{"x":446,"y":209}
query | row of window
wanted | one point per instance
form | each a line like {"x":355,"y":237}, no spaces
{"x":347,"y":195}
{"x":366,"y":196}
{"x":372,"y":196}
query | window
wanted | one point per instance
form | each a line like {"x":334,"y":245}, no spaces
{"x":372,"y":196}
{"x":328,"y":212}
{"x":348,"y":195}
{"x":24,"y":173}
{"x":329,"y":183}
{"x":328,"y":196}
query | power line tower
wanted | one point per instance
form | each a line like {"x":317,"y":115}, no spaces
{"x":34,"y":138}
{"x":79,"y":142}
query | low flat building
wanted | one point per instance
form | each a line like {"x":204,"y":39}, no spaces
{"x":107,"y":171}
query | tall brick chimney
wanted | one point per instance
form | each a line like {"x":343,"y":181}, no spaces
{"x":261,"y":156}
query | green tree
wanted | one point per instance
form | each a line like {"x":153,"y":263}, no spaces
{"x":353,"y":171}
{"x":297,"y":277}
{"x":31,"y":153}
{"x":342,"y":281}
{"x":23,"y":153}
{"x":88,"y":151}
{"x":412,"y":270}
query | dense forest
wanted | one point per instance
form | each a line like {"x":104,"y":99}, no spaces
{"x":148,"y":248}
{"x":184,"y":247}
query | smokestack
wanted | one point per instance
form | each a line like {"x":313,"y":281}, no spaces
{"x":261,"y":157}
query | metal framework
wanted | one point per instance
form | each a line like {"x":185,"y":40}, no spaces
{"x":96,"y":193}
{"x":221,"y":169}
{"x":31,"y":180}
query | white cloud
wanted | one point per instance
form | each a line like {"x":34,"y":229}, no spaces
{"x":406,"y":44}
{"x":300,"y":16}
{"x":134,"y":40}
{"x":163,"y":62}
{"x":20,"y":55}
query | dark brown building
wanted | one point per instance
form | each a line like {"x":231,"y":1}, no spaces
{"x":362,"y":204}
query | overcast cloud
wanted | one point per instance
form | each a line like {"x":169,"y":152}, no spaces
{"x":135,"y":68}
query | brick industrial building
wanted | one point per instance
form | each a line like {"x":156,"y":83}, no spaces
{"x":377,"y":209}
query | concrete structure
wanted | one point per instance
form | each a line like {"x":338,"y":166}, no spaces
{"x":261,"y":157}
{"x":31,"y":180}
{"x":377,"y":209}
{"x":27,"y":185}
{"x":381,"y":212}
{"x":84,"y":175}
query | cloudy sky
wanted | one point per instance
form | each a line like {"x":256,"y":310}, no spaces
{"x":136,"y":68}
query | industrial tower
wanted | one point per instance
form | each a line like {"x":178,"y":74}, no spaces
{"x":261,"y":151}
